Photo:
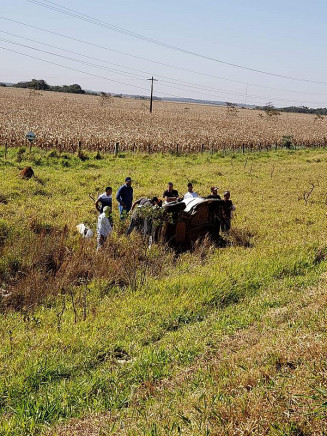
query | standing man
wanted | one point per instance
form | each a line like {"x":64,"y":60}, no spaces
{"x":124,"y":197}
{"x":104,"y":199}
{"x":190,"y":193}
{"x":227,"y":212}
{"x":214,"y":193}
{"x":170,"y":194}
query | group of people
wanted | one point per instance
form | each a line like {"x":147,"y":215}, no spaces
{"x":124,"y":197}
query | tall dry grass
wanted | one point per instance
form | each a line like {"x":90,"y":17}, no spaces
{"x":49,"y":262}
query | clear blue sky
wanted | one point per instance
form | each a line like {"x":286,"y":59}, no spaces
{"x":283,"y":37}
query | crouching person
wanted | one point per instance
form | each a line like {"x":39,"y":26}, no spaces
{"x":104,"y":227}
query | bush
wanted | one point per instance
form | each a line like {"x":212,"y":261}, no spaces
{"x":40,"y":85}
{"x":53,"y":154}
{"x":20,"y":154}
{"x":10,"y":266}
{"x":3,"y":199}
{"x":287,"y":141}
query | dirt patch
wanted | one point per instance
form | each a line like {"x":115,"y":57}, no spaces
{"x":27,"y":173}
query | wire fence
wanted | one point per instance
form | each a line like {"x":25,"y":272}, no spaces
{"x":178,"y":149}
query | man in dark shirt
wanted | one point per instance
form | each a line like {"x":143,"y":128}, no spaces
{"x":170,"y":194}
{"x":124,"y":197}
{"x":104,"y":199}
{"x":227,"y":212}
{"x":214,"y":193}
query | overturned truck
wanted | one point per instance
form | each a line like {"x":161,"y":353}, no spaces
{"x":181,"y":224}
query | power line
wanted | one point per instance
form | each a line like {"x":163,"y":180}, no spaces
{"x":83,"y":72}
{"x":169,"y":81}
{"x":87,"y":73}
{"x":157,"y":62}
{"x":74,"y":60}
{"x":138,"y":77}
{"x":75,"y":14}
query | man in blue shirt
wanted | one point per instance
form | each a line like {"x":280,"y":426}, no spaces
{"x":124,"y":197}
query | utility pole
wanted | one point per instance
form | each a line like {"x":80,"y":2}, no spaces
{"x":151,"y":99}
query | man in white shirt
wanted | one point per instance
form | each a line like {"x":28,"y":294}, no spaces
{"x":104,"y":227}
{"x":190,"y":193}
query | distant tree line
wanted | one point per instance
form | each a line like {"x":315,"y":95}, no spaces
{"x":41,"y":85}
{"x":305,"y":110}
{"x":297,"y":109}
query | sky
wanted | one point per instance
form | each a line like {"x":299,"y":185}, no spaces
{"x":204,"y":50}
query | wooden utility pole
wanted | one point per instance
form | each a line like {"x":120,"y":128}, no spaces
{"x":151,"y":98}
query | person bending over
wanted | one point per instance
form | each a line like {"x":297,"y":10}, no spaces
{"x":104,"y":227}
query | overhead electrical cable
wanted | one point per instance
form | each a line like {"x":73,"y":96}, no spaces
{"x":169,"y":81}
{"x":83,"y":72}
{"x":75,"y":14}
{"x":74,"y":60}
{"x":138,"y":77}
{"x":157,"y":62}
{"x":87,"y":73}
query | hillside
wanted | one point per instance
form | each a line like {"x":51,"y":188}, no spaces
{"x":135,"y":340}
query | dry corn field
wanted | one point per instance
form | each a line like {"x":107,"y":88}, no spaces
{"x":62,"y":120}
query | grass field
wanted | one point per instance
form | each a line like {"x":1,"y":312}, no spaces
{"x":62,"y":120}
{"x":137,"y":341}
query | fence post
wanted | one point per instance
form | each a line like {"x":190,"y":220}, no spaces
{"x":177,"y":151}
{"x":243,"y":148}
{"x":202,"y":148}
{"x":149,"y":148}
{"x":79,"y":150}
{"x":98,"y":155}
{"x":133,"y":149}
{"x":6,"y":148}
{"x":116,"y":148}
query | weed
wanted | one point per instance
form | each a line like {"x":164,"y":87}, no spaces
{"x":20,"y":153}
{"x":3,"y":199}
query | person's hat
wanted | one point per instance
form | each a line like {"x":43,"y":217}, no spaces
{"x":128,"y":179}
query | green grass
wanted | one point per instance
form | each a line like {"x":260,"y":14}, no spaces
{"x":56,"y":365}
